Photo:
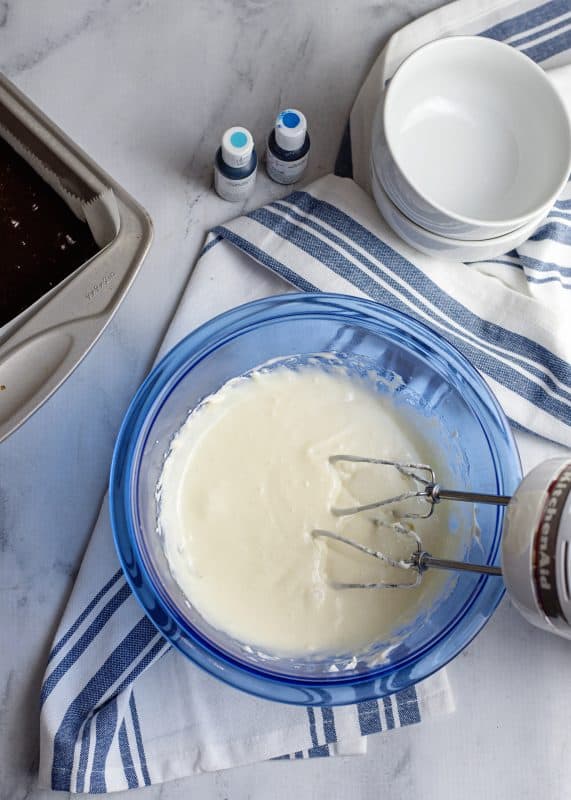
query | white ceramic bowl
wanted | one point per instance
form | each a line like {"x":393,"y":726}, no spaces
{"x":435,"y":245}
{"x":472,"y":139}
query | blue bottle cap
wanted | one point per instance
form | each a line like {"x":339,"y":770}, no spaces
{"x":237,"y":146}
{"x":290,"y":129}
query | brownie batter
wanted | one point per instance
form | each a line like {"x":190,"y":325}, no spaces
{"x":41,"y":239}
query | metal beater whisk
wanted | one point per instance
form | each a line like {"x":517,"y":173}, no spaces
{"x":426,"y":489}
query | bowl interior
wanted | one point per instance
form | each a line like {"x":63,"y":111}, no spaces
{"x":458,"y":123}
{"x":433,"y":385}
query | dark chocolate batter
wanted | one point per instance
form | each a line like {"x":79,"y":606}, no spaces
{"x":41,"y":239}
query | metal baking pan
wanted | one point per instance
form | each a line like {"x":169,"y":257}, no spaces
{"x":42,"y":346}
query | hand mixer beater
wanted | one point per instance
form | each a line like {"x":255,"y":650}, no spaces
{"x":536,"y":537}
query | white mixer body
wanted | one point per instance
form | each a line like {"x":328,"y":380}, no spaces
{"x":536,"y":547}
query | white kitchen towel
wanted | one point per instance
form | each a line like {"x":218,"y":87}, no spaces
{"x":120,"y":709}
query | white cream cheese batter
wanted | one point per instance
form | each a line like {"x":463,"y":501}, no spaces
{"x":248,"y":479}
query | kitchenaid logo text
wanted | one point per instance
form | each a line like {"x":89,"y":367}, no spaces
{"x":551,"y":513}
{"x":97,"y":287}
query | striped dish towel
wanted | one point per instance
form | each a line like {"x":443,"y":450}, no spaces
{"x":119,"y":709}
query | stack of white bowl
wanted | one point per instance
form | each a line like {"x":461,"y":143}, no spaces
{"x":471,"y":145}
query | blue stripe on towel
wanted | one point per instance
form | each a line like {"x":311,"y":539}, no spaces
{"x":329,"y":724}
{"x":87,"y":700}
{"x":105,"y":726}
{"x":549,"y":279}
{"x":312,"y":726}
{"x":389,"y":716}
{"x":545,"y":266}
{"x":558,"y":215}
{"x":260,"y":255}
{"x":158,"y":650}
{"x":558,"y":231}
{"x":320,"y":751}
{"x":84,"y":641}
{"x":407,"y":706}
{"x":209,"y":245}
{"x":527,"y":277}
{"x":529,"y":37}
{"x":369,"y":717}
{"x":127,"y":758}
{"x":85,"y":613}
{"x":549,"y":48}
{"x":528,"y":20}
{"x":393,"y":262}
{"x":139,"y":740}
{"x":487,"y":361}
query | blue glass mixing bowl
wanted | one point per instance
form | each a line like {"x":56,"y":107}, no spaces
{"x":432,"y":381}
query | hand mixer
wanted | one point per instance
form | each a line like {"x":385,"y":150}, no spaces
{"x":536,"y":537}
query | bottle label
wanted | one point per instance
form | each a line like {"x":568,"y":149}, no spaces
{"x":285,"y":171}
{"x":233,"y":190}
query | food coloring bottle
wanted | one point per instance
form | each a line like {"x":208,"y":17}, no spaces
{"x":288,"y":147}
{"x":235,"y":165}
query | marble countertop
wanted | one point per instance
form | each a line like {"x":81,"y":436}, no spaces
{"x":147,"y":87}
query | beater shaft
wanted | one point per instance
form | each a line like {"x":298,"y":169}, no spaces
{"x":437,"y":493}
{"x":424,"y":560}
